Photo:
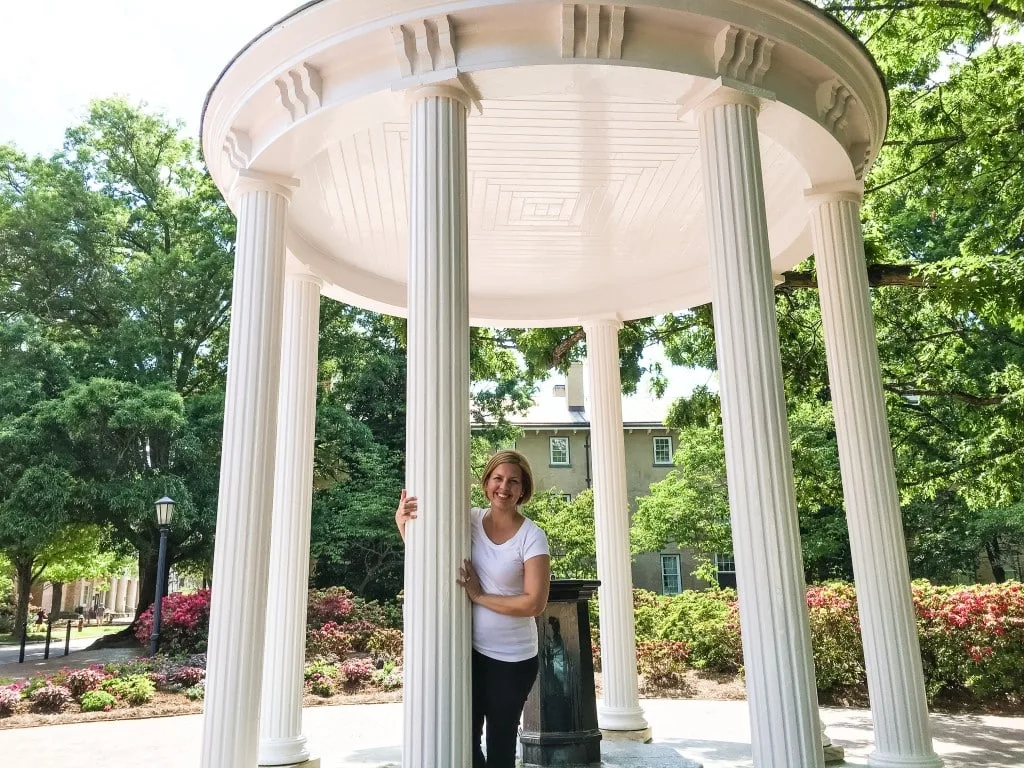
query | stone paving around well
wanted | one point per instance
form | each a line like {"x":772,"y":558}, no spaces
{"x":687,"y":733}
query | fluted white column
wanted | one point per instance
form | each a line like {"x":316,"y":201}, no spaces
{"x":892,"y":654}
{"x":437,"y":613}
{"x":766,"y":540}
{"x":281,"y":739}
{"x":620,"y":708}
{"x":241,"y":554}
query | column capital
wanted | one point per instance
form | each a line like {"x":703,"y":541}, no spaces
{"x":255,"y":181}
{"x":709,"y":94}
{"x":851,"y":190}
{"x":302,"y":274}
{"x":451,"y":89}
{"x":593,"y":323}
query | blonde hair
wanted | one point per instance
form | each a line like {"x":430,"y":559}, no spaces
{"x":510,"y":457}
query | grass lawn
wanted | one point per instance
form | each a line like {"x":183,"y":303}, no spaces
{"x":58,"y":633}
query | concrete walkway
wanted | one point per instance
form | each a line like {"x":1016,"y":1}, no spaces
{"x":714,"y":734}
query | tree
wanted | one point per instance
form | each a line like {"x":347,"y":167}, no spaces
{"x":569,"y":526}
{"x":121,"y":248}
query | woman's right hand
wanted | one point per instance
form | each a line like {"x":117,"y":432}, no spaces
{"x":407,"y":508}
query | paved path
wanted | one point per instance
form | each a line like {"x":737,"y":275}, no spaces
{"x":712,"y":733}
{"x":79,"y":657}
{"x":9,"y":653}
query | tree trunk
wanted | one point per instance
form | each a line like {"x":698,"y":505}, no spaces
{"x":147,"y":581}
{"x":995,"y":559}
{"x":57,"y":599}
{"x":23,"y":574}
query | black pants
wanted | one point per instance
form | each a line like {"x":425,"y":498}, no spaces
{"x":500,"y":689}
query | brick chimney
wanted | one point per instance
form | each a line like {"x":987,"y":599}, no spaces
{"x":574,"y":387}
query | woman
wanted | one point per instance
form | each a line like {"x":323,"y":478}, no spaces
{"x":507,"y":580}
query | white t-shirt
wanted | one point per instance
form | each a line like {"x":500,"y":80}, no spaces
{"x":500,"y":568}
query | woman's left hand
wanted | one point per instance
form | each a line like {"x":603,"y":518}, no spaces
{"x":469,"y":581}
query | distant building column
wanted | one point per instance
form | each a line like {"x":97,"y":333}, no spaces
{"x":281,"y":739}
{"x":242,"y":551}
{"x":892,"y":653}
{"x":777,"y":657}
{"x":620,"y":708}
{"x":122,"y":593}
{"x":438,"y":638}
{"x":133,"y":595}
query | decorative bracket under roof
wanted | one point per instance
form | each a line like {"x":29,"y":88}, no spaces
{"x":592,"y":31}
{"x":300,"y":91}
{"x":834,"y":100}
{"x":424,"y":47}
{"x":238,"y":148}
{"x":742,"y":55}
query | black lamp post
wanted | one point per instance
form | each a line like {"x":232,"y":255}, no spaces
{"x":164,"y":513}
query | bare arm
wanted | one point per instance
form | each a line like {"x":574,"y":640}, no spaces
{"x":408,"y":506}
{"x":533,"y":601}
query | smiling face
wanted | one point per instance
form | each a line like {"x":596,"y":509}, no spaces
{"x":504,"y":486}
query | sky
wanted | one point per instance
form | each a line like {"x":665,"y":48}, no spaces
{"x":57,"y":55}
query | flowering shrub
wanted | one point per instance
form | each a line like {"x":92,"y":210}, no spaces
{"x":388,"y":678}
{"x":184,"y":623}
{"x":97,"y":701}
{"x":186,"y":677}
{"x":972,"y":640}
{"x":333,"y":605}
{"x":331,"y":640}
{"x":708,"y":623}
{"x":133,"y":689}
{"x":51,"y":698}
{"x":385,"y":645}
{"x":9,"y":698}
{"x":80,"y":681}
{"x":356,"y":671}
{"x":835,"y":638}
{"x":662,"y":663}
{"x":134,"y":667}
{"x":321,"y":678}
{"x":196,"y":693}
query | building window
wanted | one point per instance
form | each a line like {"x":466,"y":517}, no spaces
{"x":559,"y":451}
{"x":663,"y":450}
{"x":567,"y":498}
{"x":725,"y":569}
{"x":671,"y":584}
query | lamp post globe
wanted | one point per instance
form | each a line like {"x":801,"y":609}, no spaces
{"x":164,"y":514}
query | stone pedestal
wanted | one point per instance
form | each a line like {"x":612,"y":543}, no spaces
{"x":560,"y":717}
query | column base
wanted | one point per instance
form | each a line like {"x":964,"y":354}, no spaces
{"x":641,"y":736}
{"x":621,"y":719}
{"x":285,"y":753}
{"x":896,"y":761}
{"x":834,"y":753}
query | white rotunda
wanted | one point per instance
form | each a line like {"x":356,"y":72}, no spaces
{"x":526,"y":163}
